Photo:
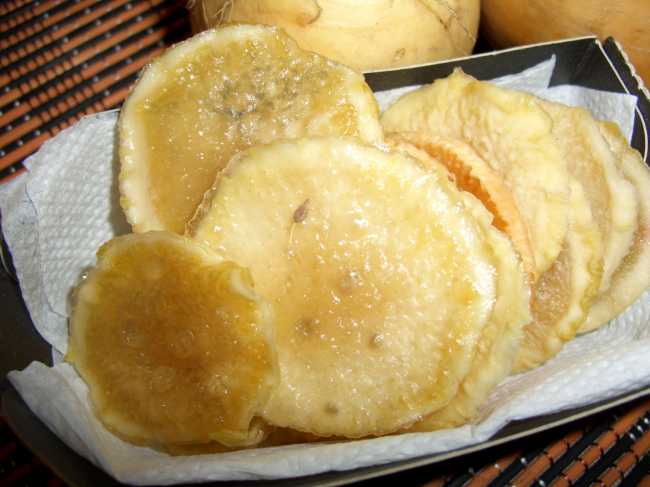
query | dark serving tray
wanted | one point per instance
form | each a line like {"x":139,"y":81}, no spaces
{"x":583,"y":61}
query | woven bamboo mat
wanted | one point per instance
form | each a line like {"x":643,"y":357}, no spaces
{"x":62,"y":59}
{"x":606,"y":450}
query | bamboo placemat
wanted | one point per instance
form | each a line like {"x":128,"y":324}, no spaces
{"x":62,"y":59}
{"x":609,"y":449}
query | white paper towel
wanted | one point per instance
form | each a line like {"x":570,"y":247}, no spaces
{"x":56,"y":216}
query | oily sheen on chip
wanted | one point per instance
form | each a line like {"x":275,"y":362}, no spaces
{"x":512,"y":133}
{"x":593,"y":164}
{"x":219,"y":92}
{"x":174,"y":344}
{"x":501,"y":336}
{"x":472,"y":174}
{"x":632,"y":276}
{"x":519,"y":169}
{"x":381,"y":281}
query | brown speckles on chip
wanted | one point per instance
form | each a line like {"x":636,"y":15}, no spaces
{"x":363,"y":233}
{"x":306,"y":326}
{"x":301,"y":212}
{"x":350,"y":281}
{"x":218,"y":93}
{"x":376,"y":339}
{"x":331,"y":408}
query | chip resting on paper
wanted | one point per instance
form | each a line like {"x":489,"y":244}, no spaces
{"x":219,"y":92}
{"x":406,"y":274}
{"x":382,"y":281}
{"x":501,"y":337}
{"x":611,"y":198}
{"x":174,"y":344}
{"x":515,"y":165}
{"x":472,"y":174}
{"x":632,"y":276}
{"x":562,"y":295}
{"x":512,"y":133}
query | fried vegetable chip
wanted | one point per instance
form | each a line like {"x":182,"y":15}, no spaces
{"x":563,"y":294}
{"x":472,"y":174}
{"x":592,"y":163}
{"x":501,"y":337}
{"x":174,"y":344}
{"x":632,"y":276}
{"x":219,"y":92}
{"x":512,"y":134}
{"x":381,"y":280}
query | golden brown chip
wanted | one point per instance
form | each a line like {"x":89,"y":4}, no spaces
{"x":173,"y":343}
{"x":632,"y":276}
{"x":381,"y":279}
{"x":221,"y":91}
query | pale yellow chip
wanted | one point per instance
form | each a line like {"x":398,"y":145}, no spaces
{"x":381,"y":279}
{"x":472,"y":174}
{"x":563,"y":294}
{"x":593,"y":164}
{"x":173,"y":343}
{"x":501,"y":337}
{"x":219,"y":92}
{"x":499,"y":342}
{"x":632,"y":276}
{"x":512,"y":134}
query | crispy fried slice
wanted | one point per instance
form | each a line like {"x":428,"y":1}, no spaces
{"x":472,"y":174}
{"x":593,"y":164}
{"x":380,"y":278}
{"x":563,"y":294}
{"x":173,"y":343}
{"x":499,"y":342}
{"x":632,"y":276}
{"x":215,"y":94}
{"x":512,"y":134}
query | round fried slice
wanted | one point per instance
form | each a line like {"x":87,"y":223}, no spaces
{"x":173,"y":343}
{"x":381,"y":279}
{"x":512,"y":134}
{"x":593,"y":164}
{"x":499,"y":342}
{"x":219,"y":92}
{"x":472,"y":174}
{"x":632,"y":276}
{"x":563,"y":294}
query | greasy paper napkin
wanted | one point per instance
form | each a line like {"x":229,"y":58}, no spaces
{"x":56,"y":216}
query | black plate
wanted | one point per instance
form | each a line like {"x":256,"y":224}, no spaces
{"x":582,"y":62}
